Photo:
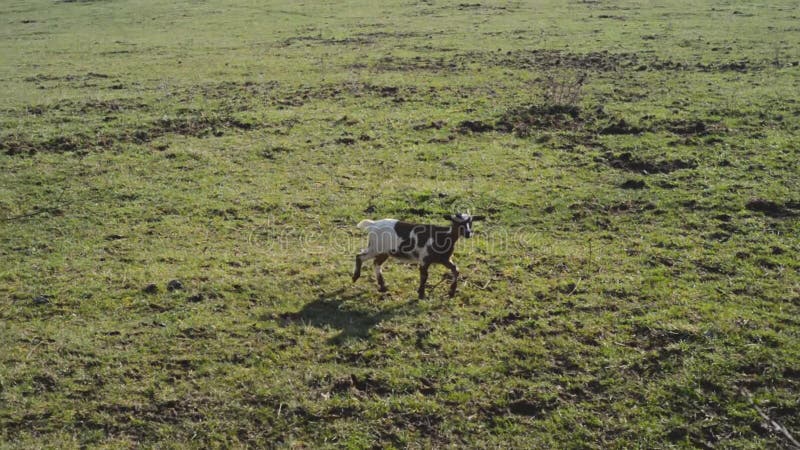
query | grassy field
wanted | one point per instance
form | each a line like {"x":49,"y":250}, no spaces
{"x":636,"y":284}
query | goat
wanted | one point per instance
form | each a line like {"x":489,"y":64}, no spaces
{"x":414,"y":243}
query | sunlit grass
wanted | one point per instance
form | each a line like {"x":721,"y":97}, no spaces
{"x":635,"y":278}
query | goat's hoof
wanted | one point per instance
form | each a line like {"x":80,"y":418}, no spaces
{"x":451,"y":294}
{"x":382,"y":289}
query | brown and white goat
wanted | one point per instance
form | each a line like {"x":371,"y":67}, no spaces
{"x":414,"y":243}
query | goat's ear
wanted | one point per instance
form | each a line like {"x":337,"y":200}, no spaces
{"x":476,"y":218}
{"x":447,"y":217}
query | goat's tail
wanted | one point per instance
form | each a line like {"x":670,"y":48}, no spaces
{"x":364,"y":224}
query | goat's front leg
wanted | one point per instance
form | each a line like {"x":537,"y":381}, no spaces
{"x":454,"y":270}
{"x":423,"y":278}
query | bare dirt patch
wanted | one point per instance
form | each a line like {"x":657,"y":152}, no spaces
{"x":543,"y":59}
{"x":355,"y":40}
{"x":628,"y":162}
{"x":522,"y":121}
{"x":773,"y":208}
{"x":190,"y":125}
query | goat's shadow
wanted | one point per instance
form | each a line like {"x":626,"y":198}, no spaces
{"x":337,"y":310}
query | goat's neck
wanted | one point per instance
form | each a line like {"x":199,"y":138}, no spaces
{"x":454,"y":235}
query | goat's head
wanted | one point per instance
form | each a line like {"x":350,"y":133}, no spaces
{"x":462,"y":223}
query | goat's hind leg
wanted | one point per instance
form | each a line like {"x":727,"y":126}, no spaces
{"x":360,"y":258}
{"x":357,"y":269}
{"x":380,"y":259}
{"x":423,"y":278}
{"x":365,"y":255}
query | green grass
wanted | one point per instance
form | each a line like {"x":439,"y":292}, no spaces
{"x":636,"y":284}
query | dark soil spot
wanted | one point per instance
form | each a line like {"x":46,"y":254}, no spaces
{"x":140,"y":136}
{"x":369,"y":384}
{"x":272,"y":153}
{"x":65,"y":143}
{"x":417,"y":211}
{"x":355,"y":40}
{"x":438,"y":124}
{"x":398,"y":64}
{"x":713,"y":268}
{"x":633,"y":184}
{"x":41,"y":300}
{"x":526,"y":407}
{"x":630,"y":207}
{"x":196,"y":125}
{"x":28,"y":422}
{"x":196,"y":298}
{"x":174,"y":285}
{"x":502,"y":322}
{"x":194,"y":333}
{"x":150,"y":289}
{"x":522,"y":121}
{"x":626,"y":161}
{"x":565,"y":364}
{"x":648,"y":338}
{"x":342,"y":384}
{"x":345,"y":140}
{"x":103,"y":106}
{"x":342,"y":411}
{"x":388,"y":91}
{"x":677,"y":434}
{"x":241,"y":124}
{"x":541,"y":59}
{"x":224,"y":214}
{"x":688,"y":128}
{"x":792,"y":373}
{"x":442,"y":140}
{"x":44,"y":383}
{"x":192,"y":125}
{"x":427,"y":424}
{"x":773,"y":209}
{"x":551,"y":59}
{"x":567,"y":288}
{"x":733,"y":66}
{"x":691,"y":204}
{"x":427,"y":387}
{"x":476,"y":126}
{"x":620,"y":127}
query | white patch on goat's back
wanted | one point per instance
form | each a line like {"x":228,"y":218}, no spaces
{"x":364,"y":224}
{"x":382,"y":237}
